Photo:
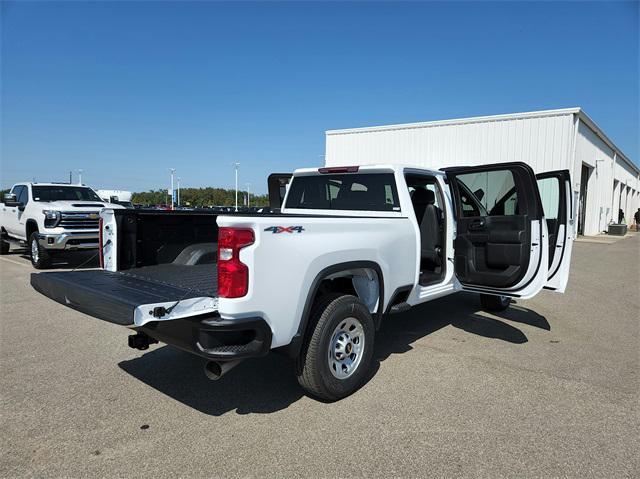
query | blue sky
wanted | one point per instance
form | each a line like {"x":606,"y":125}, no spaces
{"x":127,"y":90}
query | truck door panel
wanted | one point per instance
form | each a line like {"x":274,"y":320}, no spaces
{"x":12,"y":214}
{"x":23,"y":198}
{"x":557,"y":202}
{"x":491,"y":251}
{"x":498,"y":246}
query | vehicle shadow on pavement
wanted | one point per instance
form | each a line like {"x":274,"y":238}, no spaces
{"x":263,"y":385}
{"x":268,"y":384}
{"x":462,"y":311}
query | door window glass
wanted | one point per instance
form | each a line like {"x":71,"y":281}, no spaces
{"x":17,"y":190}
{"x":23,"y":195}
{"x":550,"y":195}
{"x":488,"y":193}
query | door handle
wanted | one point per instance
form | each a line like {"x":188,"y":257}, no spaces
{"x":477,"y":225}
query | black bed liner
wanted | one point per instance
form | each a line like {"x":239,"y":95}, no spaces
{"x":114,"y":296}
{"x":201,"y":278}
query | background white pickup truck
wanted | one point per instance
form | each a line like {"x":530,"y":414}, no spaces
{"x":50,"y":218}
{"x":350,"y":246}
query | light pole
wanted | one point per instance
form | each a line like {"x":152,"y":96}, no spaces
{"x":178,"y":198}
{"x":236,"y":165}
{"x":172,"y":170}
{"x":248,"y":195}
{"x":80,"y":177}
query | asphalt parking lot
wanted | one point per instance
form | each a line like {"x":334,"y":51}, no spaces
{"x":548,"y":388}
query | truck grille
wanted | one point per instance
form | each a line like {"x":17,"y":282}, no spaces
{"x":85,"y":220}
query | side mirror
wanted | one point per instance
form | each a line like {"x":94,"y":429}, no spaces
{"x":479,"y":193}
{"x":11,"y":200}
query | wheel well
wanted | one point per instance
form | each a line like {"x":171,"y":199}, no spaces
{"x":363,"y":283}
{"x":362,"y":279}
{"x":32,"y":226}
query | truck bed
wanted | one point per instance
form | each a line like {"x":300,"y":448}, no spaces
{"x":199,"y":278}
{"x":114,"y":296}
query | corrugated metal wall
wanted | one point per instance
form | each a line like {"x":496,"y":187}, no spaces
{"x":544,"y":140}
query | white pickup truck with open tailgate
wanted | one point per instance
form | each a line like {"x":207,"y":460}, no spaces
{"x":350,"y":246}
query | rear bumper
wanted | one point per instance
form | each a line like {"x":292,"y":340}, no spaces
{"x":69,"y":241}
{"x":213,"y":337}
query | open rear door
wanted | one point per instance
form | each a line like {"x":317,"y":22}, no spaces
{"x":557,"y":202}
{"x":501,"y":245}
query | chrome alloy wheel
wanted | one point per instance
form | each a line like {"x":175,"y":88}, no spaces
{"x":346,"y":348}
{"x":35,"y":251}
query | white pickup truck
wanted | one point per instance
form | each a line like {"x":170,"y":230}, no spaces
{"x":50,"y":218}
{"x":350,"y":246}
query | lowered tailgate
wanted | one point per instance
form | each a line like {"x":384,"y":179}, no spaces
{"x":132,"y":298}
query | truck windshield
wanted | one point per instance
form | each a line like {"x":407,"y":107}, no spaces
{"x":64,"y":193}
{"x":364,"y":192}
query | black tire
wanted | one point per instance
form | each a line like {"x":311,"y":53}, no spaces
{"x":494,"y":303}
{"x":4,"y":246}
{"x":43,"y":259}
{"x":315,"y":374}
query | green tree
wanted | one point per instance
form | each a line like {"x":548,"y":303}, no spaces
{"x":198,"y":197}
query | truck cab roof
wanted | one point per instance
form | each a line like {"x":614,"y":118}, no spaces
{"x":400,"y":168}
{"x":52,"y":183}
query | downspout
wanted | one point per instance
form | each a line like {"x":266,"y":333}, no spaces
{"x":613,"y":179}
{"x":599,"y":199}
{"x":571,"y":167}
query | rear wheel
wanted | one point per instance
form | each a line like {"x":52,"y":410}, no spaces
{"x":337,"y":355}
{"x":40,"y":257}
{"x":494,"y":303}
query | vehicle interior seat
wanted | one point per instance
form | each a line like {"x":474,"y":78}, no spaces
{"x":430,"y":234}
{"x":420,"y":198}
{"x":352,"y":199}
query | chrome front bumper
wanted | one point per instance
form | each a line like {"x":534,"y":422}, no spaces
{"x":69,"y":241}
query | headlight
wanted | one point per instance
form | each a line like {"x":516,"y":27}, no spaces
{"x":51,"y":218}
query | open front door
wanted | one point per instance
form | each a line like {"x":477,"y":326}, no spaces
{"x":277,"y":183}
{"x":557,"y":202}
{"x":501,"y":246}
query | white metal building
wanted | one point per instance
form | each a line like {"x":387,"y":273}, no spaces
{"x":604,"y":179}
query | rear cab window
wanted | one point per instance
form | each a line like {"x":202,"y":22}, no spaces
{"x":349,"y":191}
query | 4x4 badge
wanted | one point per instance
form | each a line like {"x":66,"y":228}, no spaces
{"x":285,"y":229}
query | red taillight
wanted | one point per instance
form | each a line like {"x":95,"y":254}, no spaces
{"x":339,"y":169}
{"x":100,"y":246}
{"x":233,"y":275}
